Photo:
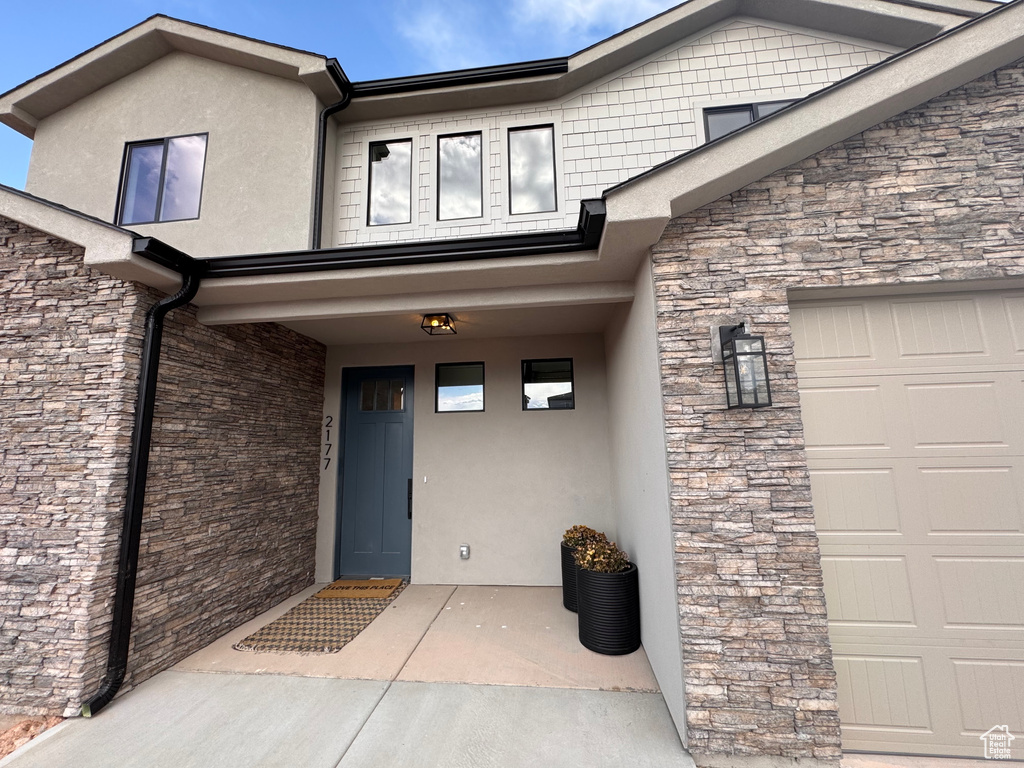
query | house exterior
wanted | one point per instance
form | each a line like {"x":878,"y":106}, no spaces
{"x":843,"y":177}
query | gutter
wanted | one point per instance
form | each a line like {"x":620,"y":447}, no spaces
{"x":586,"y":237}
{"x":191,"y":271}
{"x":455,"y":78}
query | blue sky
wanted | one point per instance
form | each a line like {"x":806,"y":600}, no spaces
{"x":371,"y":38}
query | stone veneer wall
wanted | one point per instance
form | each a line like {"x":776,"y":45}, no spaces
{"x":229,"y":526}
{"x":931,"y":195}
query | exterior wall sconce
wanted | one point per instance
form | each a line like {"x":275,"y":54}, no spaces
{"x":439,"y":325}
{"x":746,"y":368}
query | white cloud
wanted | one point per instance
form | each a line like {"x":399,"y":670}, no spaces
{"x":584,"y":22}
{"x":444,"y":35}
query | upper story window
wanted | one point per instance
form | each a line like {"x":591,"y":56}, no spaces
{"x":163,"y":180}
{"x":719,"y":121}
{"x":390,"y":182}
{"x":460,"y":181}
{"x":531,"y":159}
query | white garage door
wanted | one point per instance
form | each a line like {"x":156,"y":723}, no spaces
{"x":913,"y":408}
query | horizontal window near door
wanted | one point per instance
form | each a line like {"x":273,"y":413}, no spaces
{"x":460,"y":387}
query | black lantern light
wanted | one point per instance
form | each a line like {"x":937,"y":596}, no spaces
{"x":438,"y":325}
{"x":746,"y":368}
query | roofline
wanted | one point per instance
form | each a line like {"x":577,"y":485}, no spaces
{"x":809,"y":99}
{"x":64,"y":209}
{"x":455,"y":78}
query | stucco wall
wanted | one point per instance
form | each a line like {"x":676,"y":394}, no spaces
{"x":257,"y":185}
{"x":641,"y":483}
{"x":928,"y":198}
{"x":504,"y":481}
{"x":605,"y":133}
{"x":229,"y":524}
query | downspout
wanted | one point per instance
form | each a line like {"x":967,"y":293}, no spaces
{"x":321,"y":157}
{"x":138,"y":465}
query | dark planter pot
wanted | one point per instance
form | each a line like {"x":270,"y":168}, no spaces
{"x":569,"y":569}
{"x":609,"y":610}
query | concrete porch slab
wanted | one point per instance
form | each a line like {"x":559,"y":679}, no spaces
{"x":378,"y":653}
{"x":191,"y":720}
{"x":518,"y":636}
{"x":478,"y":726}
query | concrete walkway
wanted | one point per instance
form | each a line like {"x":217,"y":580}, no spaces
{"x":471,"y":677}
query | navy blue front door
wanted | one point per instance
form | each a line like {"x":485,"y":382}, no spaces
{"x":376,"y":506}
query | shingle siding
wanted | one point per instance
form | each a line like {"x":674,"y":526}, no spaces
{"x":931,"y":196}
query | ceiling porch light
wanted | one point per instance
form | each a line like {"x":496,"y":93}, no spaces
{"x":439,"y":325}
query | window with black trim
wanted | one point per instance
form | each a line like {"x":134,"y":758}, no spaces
{"x":548,"y":384}
{"x":719,"y":121}
{"x":390,"y":194}
{"x":531,"y":169}
{"x":460,"y":176}
{"x":163,"y":180}
{"x":459,"y":387}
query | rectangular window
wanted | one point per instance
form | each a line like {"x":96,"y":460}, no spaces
{"x":547,"y":384}
{"x":163,"y":180}
{"x":460,"y":181}
{"x":460,"y":387}
{"x":382,"y":395}
{"x":719,"y":121}
{"x":390,"y":182}
{"x":531,"y":172}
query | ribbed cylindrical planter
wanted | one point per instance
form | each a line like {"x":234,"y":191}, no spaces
{"x":609,"y":610}
{"x":569,"y":569}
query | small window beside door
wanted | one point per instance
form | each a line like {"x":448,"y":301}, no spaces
{"x":460,"y":387}
{"x":548,"y":385}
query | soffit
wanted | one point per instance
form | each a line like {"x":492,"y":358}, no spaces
{"x":23,"y":107}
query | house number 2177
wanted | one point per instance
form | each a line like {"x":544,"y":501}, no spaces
{"x":328,"y":423}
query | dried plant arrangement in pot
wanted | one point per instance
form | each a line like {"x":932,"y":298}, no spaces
{"x":608,"y":599}
{"x":575,"y":537}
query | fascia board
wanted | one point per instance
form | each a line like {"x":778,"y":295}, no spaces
{"x":636,"y":209}
{"x":107,"y":248}
{"x":23,"y":107}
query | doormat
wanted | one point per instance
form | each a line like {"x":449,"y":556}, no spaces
{"x":367,"y":588}
{"x":318,"y":626}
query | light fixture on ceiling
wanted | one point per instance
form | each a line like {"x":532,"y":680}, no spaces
{"x":438,"y":325}
{"x":746,"y":368}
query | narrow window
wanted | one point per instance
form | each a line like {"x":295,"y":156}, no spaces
{"x":390,"y":182}
{"x":531,"y":158}
{"x":163,"y":180}
{"x":719,"y":121}
{"x":459,"y":177}
{"x":547,"y":384}
{"x":460,"y":387}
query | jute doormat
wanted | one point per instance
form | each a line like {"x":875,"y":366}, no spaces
{"x":361,"y":588}
{"x":318,"y":626}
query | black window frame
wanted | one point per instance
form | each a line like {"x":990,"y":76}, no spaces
{"x":483,"y":385}
{"x":369,"y":181}
{"x":438,"y":166}
{"x":572,"y":381}
{"x":554,"y":167}
{"x":165,"y":143}
{"x":752,"y":108}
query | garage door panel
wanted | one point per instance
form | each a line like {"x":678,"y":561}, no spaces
{"x":882,"y":692}
{"x":855,"y":500}
{"x":916,"y":455}
{"x":982,"y":592}
{"x":990,"y":692}
{"x":866,"y":589}
{"x":937,"y":327}
{"x":844,"y":417}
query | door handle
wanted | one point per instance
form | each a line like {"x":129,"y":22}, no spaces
{"x":410,"y":498}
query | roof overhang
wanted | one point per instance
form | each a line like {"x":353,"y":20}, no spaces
{"x":897,"y":25}
{"x":23,"y":107}
{"x":107,"y":248}
{"x":639,"y":209}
